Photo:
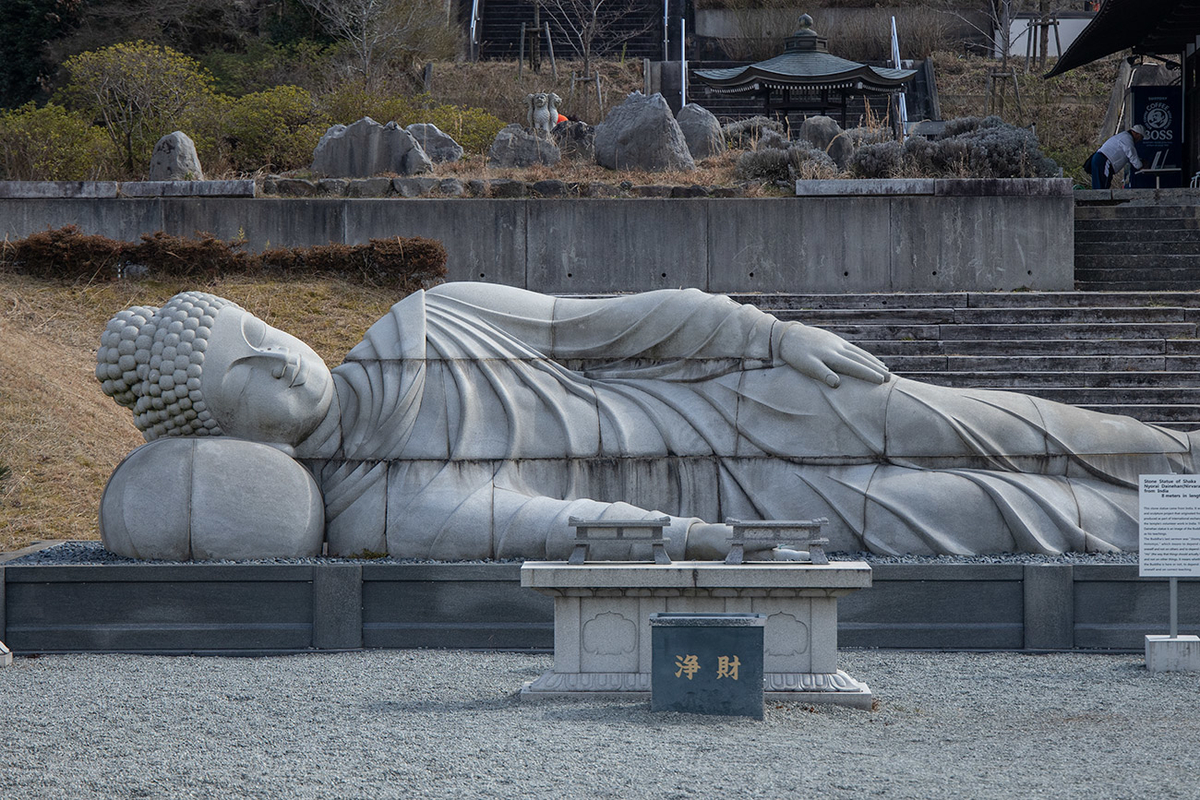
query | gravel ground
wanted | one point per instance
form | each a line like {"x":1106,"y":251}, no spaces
{"x":91,"y":552}
{"x":447,"y":724}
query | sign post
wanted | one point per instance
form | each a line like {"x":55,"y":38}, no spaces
{"x":1169,"y":547}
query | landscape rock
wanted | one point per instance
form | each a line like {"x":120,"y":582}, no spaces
{"x":175,"y":159}
{"x":641,"y":133}
{"x":701,"y":131}
{"x":506,"y":188}
{"x":477,"y":187}
{"x":333,"y":186}
{"x":413,"y":187}
{"x":437,"y":144}
{"x":295,"y":187}
{"x":651,"y":190}
{"x":516,"y":147}
{"x":600,"y":189}
{"x":692,"y":190}
{"x":450,"y":187}
{"x":825,"y":134}
{"x":551,"y":188}
{"x":366,"y":149}
{"x":369,"y":187}
{"x":576,"y":140}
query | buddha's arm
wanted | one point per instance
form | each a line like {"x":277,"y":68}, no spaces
{"x":666,"y":325}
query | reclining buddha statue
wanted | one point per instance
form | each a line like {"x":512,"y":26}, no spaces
{"x":474,"y":420}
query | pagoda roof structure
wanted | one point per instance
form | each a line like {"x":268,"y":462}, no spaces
{"x":806,"y":64}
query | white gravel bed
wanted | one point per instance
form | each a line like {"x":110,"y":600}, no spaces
{"x":92,"y":552}
{"x":447,"y":724}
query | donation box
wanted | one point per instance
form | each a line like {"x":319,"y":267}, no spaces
{"x":1160,"y":110}
{"x":707,"y":663}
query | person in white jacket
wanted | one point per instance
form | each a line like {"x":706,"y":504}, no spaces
{"x":1114,"y":155}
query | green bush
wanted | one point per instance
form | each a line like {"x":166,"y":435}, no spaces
{"x":473,"y":128}
{"x":351,"y":103}
{"x":276,"y":129}
{"x":138,"y":91}
{"x":50,"y":144}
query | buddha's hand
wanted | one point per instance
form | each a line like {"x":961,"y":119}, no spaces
{"x":825,"y":356}
{"x":709,"y":541}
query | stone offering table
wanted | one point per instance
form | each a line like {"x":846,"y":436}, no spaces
{"x":602,"y":629}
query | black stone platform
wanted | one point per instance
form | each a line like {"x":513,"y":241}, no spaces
{"x":254,"y":609}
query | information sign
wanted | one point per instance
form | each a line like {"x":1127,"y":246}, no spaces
{"x":1169,"y":541}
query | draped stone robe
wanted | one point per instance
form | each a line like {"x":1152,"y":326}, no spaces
{"x":475,"y":419}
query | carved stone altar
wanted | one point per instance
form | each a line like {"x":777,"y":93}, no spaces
{"x":602,"y":623}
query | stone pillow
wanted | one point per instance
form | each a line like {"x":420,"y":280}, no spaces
{"x":252,"y":502}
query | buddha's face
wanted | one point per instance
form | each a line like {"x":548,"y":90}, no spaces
{"x":262,"y":384}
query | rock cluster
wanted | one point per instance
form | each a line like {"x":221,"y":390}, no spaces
{"x":641,"y":133}
{"x":515,"y":146}
{"x":365,"y":149}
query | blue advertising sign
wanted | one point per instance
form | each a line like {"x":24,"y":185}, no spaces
{"x":1160,"y":110}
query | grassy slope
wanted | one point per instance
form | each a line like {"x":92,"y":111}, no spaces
{"x":61,"y":436}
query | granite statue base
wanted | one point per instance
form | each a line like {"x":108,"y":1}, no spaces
{"x":1173,"y":653}
{"x":602,"y":641}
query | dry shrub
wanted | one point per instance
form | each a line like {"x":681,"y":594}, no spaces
{"x":405,"y":263}
{"x":64,"y":254}
{"x":206,"y":256}
{"x":67,"y":254}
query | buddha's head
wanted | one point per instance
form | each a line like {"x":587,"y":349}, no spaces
{"x":203,"y":366}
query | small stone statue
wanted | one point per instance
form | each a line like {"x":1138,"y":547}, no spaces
{"x":543,"y":112}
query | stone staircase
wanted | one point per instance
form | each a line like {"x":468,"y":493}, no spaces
{"x":1134,"y":353}
{"x":500,"y":31}
{"x":1134,"y":247}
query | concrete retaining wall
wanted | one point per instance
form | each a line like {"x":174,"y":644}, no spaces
{"x":835,"y":236}
{"x":246,"y":609}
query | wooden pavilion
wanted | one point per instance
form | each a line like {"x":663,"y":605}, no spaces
{"x":807,"y":79}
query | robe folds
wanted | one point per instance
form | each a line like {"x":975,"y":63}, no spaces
{"x":476,"y":419}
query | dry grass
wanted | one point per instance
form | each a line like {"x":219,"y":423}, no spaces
{"x":495,"y":87}
{"x":1067,"y":111}
{"x":716,"y":171}
{"x":61,"y":436}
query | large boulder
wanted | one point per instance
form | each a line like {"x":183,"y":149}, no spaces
{"x":516,"y":147}
{"x":575,"y":140}
{"x":641,"y":133}
{"x":825,"y":134}
{"x":701,"y":131}
{"x":175,"y":159}
{"x":437,"y":144}
{"x":366,"y":148}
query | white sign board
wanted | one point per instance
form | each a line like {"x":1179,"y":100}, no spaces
{"x":1169,"y":508}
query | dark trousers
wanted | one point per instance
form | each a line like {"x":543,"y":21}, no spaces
{"x":1099,"y":167}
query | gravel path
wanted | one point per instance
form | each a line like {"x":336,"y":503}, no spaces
{"x":446,"y":724}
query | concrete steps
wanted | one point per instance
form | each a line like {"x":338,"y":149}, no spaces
{"x":1126,"y":246}
{"x":500,"y":31}
{"x":1135,"y":353}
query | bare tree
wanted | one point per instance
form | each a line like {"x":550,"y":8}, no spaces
{"x":595,"y":27}
{"x":380,"y":32}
